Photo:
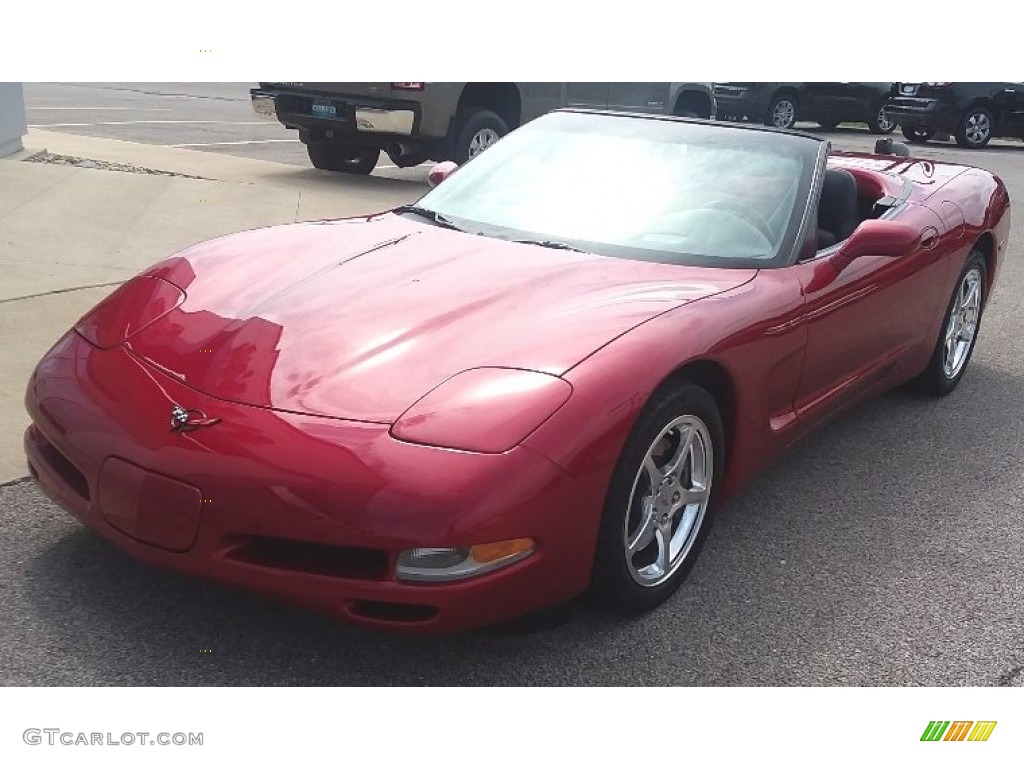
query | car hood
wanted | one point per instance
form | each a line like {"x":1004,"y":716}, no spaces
{"x":358,"y":319}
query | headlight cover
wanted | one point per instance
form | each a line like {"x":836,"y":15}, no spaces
{"x":129,"y":309}
{"x":484,"y":410}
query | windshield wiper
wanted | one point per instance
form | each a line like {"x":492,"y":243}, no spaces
{"x":551,"y":244}
{"x":443,"y":221}
{"x":438,"y":218}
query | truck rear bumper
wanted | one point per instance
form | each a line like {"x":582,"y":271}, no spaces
{"x":913,"y":112}
{"x":343,"y":117}
{"x":263,"y":105}
{"x":393,"y":121}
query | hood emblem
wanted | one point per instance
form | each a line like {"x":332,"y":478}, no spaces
{"x":183,"y":420}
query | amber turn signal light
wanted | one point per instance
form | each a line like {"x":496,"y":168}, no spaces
{"x":499,"y":550}
{"x":434,"y":564}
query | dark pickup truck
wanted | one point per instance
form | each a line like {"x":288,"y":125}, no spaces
{"x":345,"y":126}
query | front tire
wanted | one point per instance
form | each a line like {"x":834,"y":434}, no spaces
{"x":343,"y":157}
{"x":975,"y":128}
{"x":660,"y":502}
{"x":959,"y":332}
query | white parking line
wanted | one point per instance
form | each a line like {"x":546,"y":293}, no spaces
{"x":102,"y":109}
{"x":159,"y":122}
{"x":238,"y":143}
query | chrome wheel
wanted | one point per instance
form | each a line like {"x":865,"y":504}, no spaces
{"x":481,"y":140}
{"x":783,"y":113}
{"x":978,"y":128}
{"x":668,"y":500}
{"x":962,"y":324}
{"x":885,"y":123}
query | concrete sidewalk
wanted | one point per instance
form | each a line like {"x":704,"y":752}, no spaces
{"x":69,"y":235}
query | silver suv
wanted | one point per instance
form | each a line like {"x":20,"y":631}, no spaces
{"x":345,"y":126}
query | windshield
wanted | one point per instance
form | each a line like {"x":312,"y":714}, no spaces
{"x":686,"y":193}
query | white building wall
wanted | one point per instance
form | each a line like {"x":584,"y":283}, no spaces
{"x":12,"y":118}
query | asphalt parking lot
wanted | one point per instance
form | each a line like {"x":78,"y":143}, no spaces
{"x":210,"y":117}
{"x":206,"y":117}
{"x":884,"y":550}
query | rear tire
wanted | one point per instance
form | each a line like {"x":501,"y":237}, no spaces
{"x":661,"y":500}
{"x":952,"y":350}
{"x":347,"y":158}
{"x":879,"y":123}
{"x":975,"y":128}
{"x":782,"y":112}
{"x":694,"y":104}
{"x":918,"y":134}
{"x":478,"y":129}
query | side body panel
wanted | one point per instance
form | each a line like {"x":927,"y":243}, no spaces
{"x":784,"y":343}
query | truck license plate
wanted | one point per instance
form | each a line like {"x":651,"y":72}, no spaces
{"x":324,"y":109}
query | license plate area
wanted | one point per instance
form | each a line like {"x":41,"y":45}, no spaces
{"x":149,"y":507}
{"x":324,"y":109}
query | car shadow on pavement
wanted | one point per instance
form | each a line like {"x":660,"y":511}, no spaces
{"x":875,"y":553}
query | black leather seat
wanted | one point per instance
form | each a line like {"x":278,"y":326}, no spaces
{"x":838,"y":212}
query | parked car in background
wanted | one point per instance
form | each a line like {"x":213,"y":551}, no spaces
{"x":973,"y":113}
{"x":345,"y":126}
{"x":782,"y":104}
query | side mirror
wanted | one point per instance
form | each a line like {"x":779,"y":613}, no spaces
{"x":440,"y":172}
{"x":877,"y":237}
{"x":873,"y":237}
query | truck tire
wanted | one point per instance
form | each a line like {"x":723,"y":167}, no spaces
{"x":879,"y":122}
{"x":476,"y":130}
{"x":783,"y":111}
{"x":975,"y":128}
{"x":917,"y":134}
{"x":695,"y":104}
{"x":347,"y":158}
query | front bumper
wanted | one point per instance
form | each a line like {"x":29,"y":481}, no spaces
{"x":339,"y":116}
{"x":306,"y":509}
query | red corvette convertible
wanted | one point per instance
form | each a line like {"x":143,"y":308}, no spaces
{"x":541,"y":380}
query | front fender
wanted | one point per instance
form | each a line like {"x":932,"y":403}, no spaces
{"x":753,"y":333}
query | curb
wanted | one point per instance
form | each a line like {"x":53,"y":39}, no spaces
{"x":26,"y":153}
